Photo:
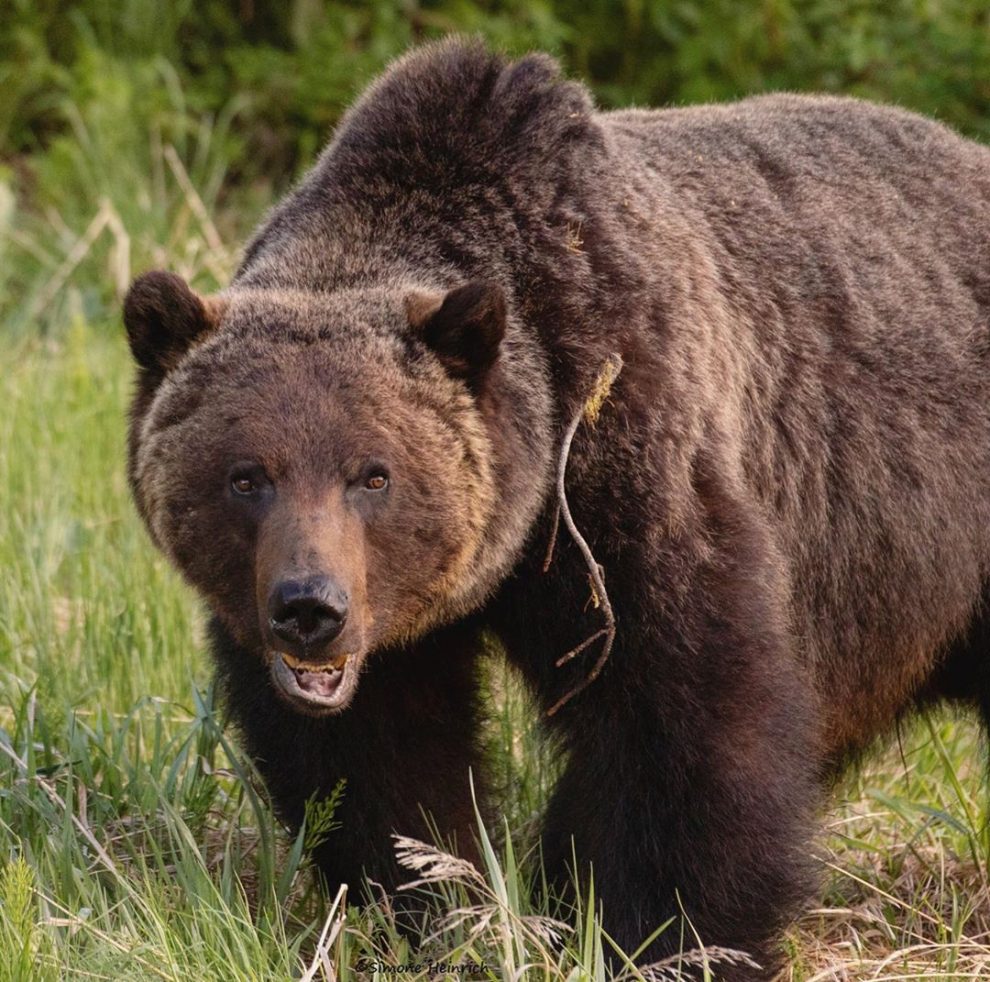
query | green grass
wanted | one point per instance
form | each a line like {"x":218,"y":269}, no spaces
{"x":86,"y":608}
{"x":135,"y":841}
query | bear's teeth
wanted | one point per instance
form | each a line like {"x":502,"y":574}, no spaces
{"x":302,"y":666}
{"x":301,"y":670}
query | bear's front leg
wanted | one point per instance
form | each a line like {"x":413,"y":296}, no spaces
{"x":691,"y":778}
{"x":404,"y":749}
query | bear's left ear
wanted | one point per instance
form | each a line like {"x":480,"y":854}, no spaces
{"x":464,"y":328}
{"x":163,"y":317}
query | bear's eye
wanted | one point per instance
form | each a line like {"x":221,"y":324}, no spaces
{"x":248,"y":481}
{"x":376,"y":482}
{"x":243,"y":485}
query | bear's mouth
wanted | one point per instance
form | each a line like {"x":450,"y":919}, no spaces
{"x":312,"y":688}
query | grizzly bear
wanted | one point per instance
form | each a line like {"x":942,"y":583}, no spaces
{"x":353,"y":453}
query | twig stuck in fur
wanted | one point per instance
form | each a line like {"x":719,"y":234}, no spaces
{"x":588,"y":412}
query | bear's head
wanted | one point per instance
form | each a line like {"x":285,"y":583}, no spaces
{"x":337,"y":474}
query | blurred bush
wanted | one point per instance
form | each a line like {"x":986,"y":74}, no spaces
{"x":175,"y":123}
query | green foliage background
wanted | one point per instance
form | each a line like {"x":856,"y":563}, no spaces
{"x":246,"y":92}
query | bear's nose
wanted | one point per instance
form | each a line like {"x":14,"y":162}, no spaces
{"x":307,"y":613}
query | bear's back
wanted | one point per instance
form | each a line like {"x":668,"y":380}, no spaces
{"x":794,"y":136}
{"x":791,"y":183}
{"x":848,"y":250}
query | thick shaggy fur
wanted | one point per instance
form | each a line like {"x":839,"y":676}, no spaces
{"x":788,"y":488}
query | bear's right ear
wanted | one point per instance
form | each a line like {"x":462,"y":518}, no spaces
{"x":163,"y":317}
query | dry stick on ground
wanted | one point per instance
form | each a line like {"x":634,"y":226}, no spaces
{"x":75,"y":256}
{"x":588,"y":412}
{"x":106,"y":217}
{"x":218,"y":259}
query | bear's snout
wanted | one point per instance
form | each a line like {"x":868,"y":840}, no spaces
{"x":313,"y":661}
{"x":307,"y":614}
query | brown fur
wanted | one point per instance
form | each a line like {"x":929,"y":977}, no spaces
{"x":788,"y":489}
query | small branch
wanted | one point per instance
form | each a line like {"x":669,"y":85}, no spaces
{"x":589,"y":412}
{"x":574,"y":652}
{"x":548,"y":559}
